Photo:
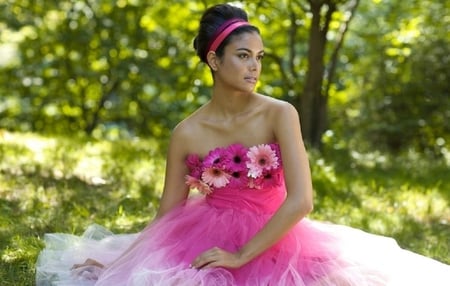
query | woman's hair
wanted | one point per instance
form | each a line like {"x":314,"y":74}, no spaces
{"x":211,"y":21}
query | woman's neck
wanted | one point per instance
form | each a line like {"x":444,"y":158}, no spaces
{"x":225,"y":103}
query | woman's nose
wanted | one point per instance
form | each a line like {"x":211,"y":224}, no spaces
{"x":253,"y":64}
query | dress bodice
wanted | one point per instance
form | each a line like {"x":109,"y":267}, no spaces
{"x":239,"y":177}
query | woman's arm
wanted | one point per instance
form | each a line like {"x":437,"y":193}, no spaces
{"x":299,"y":199}
{"x":298,"y":202}
{"x":175,"y":189}
{"x":174,"y":193}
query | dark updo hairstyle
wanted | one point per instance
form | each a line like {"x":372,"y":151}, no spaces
{"x":210,"y":22}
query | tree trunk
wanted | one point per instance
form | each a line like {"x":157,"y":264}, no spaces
{"x":311,"y":101}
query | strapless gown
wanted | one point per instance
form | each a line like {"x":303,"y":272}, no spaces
{"x":240,"y":189}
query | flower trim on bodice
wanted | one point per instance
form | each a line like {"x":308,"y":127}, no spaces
{"x":235,"y":166}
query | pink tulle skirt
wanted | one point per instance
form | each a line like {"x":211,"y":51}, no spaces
{"x":312,"y":253}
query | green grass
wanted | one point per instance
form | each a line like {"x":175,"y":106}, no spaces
{"x":65,"y":184}
{"x":406,"y":197}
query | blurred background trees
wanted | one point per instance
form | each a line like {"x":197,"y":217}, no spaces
{"x":364,"y":74}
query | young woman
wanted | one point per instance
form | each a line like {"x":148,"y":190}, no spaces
{"x":244,"y":153}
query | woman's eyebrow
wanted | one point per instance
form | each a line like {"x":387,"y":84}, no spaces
{"x":250,"y":51}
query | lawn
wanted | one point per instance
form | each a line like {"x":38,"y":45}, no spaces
{"x":56,"y":184}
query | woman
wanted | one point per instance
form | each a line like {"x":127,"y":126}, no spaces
{"x":244,"y":153}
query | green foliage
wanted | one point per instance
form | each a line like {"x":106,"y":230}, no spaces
{"x":58,"y":184}
{"x":397,"y":97}
{"x":126,"y":68}
{"x":89,"y":67}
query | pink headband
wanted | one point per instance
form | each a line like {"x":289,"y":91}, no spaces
{"x":224,"y":30}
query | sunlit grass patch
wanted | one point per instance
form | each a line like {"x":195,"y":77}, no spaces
{"x":406,"y":197}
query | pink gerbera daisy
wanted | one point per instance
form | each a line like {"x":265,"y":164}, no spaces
{"x":215,"y":177}
{"x":276,"y":148}
{"x":238,"y":179}
{"x":235,"y":157}
{"x":214,"y":158}
{"x":261,"y":158}
{"x":195,"y":183}
{"x":194,"y":164}
{"x":270,"y":179}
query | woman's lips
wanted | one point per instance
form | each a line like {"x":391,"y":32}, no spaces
{"x":250,"y":79}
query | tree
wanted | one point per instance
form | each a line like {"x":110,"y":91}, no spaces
{"x":400,"y":77}
{"x":324,"y":20}
{"x":314,"y":101}
{"x":99,"y":67}
{"x":86,"y":66}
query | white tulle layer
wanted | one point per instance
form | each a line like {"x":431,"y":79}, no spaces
{"x":313,"y":253}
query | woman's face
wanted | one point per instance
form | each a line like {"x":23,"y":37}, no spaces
{"x":240,"y":66}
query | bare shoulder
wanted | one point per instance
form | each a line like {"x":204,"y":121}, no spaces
{"x":185,"y":131}
{"x":277,"y":108}
{"x":283,"y":120}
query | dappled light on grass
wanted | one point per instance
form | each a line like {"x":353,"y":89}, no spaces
{"x":65,"y":184}
{"x":421,"y":206}
{"x":406,"y":197}
{"x":127,"y":219}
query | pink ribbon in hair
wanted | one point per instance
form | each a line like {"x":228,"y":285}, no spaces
{"x":224,"y":30}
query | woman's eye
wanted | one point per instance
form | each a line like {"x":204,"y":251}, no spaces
{"x":243,"y":56}
{"x":260,"y":57}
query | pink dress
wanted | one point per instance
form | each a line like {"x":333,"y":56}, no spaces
{"x":241,"y":189}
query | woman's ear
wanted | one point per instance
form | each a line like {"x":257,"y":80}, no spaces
{"x":212,"y":60}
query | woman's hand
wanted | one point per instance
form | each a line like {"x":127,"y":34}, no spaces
{"x":88,"y":262}
{"x":217,"y":257}
{"x":89,"y":270}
